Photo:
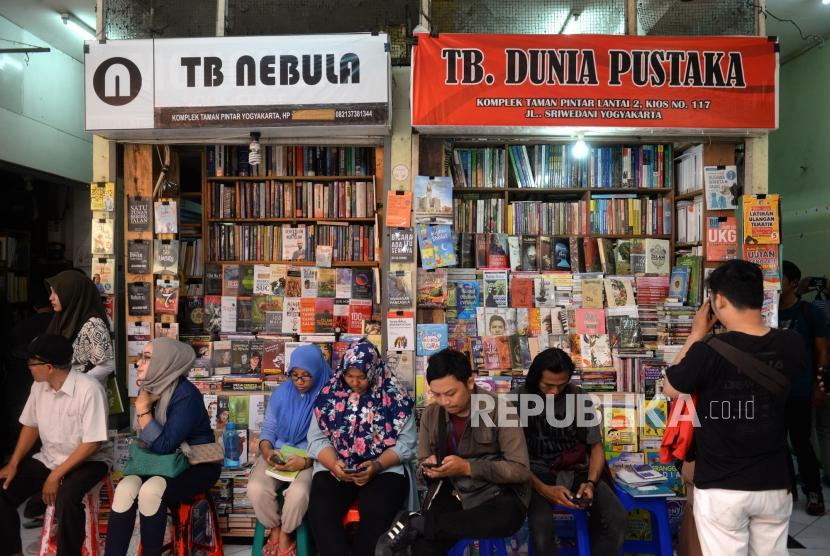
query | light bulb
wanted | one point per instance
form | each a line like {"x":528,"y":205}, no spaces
{"x":254,"y":154}
{"x":580,"y":149}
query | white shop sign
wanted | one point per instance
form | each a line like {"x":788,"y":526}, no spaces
{"x":237,"y":82}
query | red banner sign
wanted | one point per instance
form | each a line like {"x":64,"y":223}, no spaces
{"x":586,"y":81}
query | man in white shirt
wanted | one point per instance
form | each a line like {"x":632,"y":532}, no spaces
{"x":67,"y":411}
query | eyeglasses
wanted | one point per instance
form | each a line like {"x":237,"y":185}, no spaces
{"x":300,"y":378}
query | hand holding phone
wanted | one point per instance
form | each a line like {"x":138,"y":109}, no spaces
{"x":277,"y":458}
{"x":582,"y":502}
{"x":427,"y":465}
{"x":352,"y":470}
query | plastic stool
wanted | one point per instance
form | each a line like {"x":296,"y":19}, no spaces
{"x":48,"y":544}
{"x":303,"y":537}
{"x":352,"y":516}
{"x":583,"y":538}
{"x":660,"y":543}
{"x":183,"y":543}
{"x":485,"y":547}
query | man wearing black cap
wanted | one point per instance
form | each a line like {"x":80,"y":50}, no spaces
{"x":67,"y":410}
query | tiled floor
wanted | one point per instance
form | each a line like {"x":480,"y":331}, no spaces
{"x":813,"y":532}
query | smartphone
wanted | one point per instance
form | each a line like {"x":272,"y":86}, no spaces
{"x":582,"y":502}
{"x":352,"y":470}
{"x":430,"y":465}
{"x":277,"y":458}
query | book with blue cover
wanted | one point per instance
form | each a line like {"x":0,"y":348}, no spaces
{"x":425,"y":247}
{"x":443,"y":246}
{"x":467,"y":298}
{"x":679,"y":283}
{"x":431,"y":338}
{"x":660,"y":490}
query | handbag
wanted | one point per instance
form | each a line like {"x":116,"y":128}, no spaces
{"x":212,"y":452}
{"x":145,"y":463}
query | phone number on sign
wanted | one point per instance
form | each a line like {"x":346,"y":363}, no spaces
{"x":350,"y":114}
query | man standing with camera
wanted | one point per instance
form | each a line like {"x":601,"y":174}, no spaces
{"x":742,"y":503}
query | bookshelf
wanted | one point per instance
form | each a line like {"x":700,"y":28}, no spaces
{"x":15,"y":262}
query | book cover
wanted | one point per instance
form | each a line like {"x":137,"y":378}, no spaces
{"x":497,"y":251}
{"x":323,"y":255}
{"x":246,"y":280}
{"x":103,"y":275}
{"x":240,"y":352}
{"x":167,"y":297}
{"x":523,"y":321}
{"x":658,"y":258}
{"x":467,"y":298}
{"x":326,"y":282}
{"x":230,"y":280}
{"x":589,"y":321}
{"x":139,"y":334}
{"x":431,"y":338}
{"x":293,"y":243}
{"x":433,"y":196}
{"x":138,"y":299}
{"x":544,"y":291}
{"x":221,"y":358}
{"x":402,"y":246}
{"x":592,"y":293}
{"x":307,"y":317}
{"x":481,"y":250}
{"x":425,"y":247}
{"x":165,"y":256}
{"x":590,"y":248}
{"x":167,"y":330}
{"x":277,"y":279}
{"x":293,"y":281}
{"x":546,"y":255}
{"x":761,"y":219}
{"x":765,"y":256}
{"x":261,"y":305}
{"x":324,"y":315}
{"x":343,"y":284}
{"x":273,"y":356}
{"x":400,"y":330}
{"x":521,"y":292}
{"x":721,"y":238}
{"x":399,"y":291}
{"x":362,"y":283}
{"x":359,"y":311}
{"x":622,"y":256}
{"x":530,"y":255}
{"x":720,"y":184}
{"x":138,"y":256}
{"x":262,"y":280}
{"x":244,"y":314}
{"x":341,"y":314}
{"x":228,"y":314}
{"x":308,"y":286}
{"x":619,"y":291}
{"x":561,"y":254}
{"x":432,"y":288}
{"x":138,"y":214}
{"x":577,"y":256}
{"x":398,"y":209}
{"x":443,"y":246}
{"x":607,"y":257}
{"x":638,"y":256}
{"x":495,"y":288}
{"x":514,"y":250}
{"x":594,"y":350}
{"x":500,"y":321}
{"x":291,"y":315}
{"x":372,"y":331}
{"x":239,"y":411}
{"x":212,"y":319}
{"x":679,"y":283}
{"x":103,"y":230}
{"x":166,"y":217}
{"x":102,"y":196}
{"x":213,"y":279}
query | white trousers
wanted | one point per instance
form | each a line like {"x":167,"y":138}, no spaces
{"x":741,"y":523}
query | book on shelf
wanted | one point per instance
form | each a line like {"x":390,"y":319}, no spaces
{"x":292,"y":160}
{"x":761,"y":223}
{"x":721,"y":238}
{"x":720,"y":183}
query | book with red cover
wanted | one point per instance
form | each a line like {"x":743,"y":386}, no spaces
{"x":521,"y":292}
{"x":307,"y":315}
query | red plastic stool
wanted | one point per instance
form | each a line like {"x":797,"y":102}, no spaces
{"x":186,"y":539}
{"x":48,"y":544}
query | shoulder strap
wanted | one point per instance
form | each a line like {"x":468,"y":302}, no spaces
{"x":442,"y":435}
{"x":772,"y":380}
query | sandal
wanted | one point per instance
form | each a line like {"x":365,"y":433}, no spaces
{"x":290,"y":551}
{"x":270,"y":548}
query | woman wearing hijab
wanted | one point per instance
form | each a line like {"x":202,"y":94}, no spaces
{"x":170,"y":414}
{"x":286,"y":424}
{"x":362,"y":432}
{"x":80,"y":316}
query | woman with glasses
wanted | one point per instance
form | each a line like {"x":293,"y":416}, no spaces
{"x":170,"y":415}
{"x":286,"y":425}
{"x":362,"y":434}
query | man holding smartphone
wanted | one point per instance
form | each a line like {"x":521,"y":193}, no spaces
{"x":477,"y":470}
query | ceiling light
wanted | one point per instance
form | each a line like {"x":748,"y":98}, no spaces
{"x":580,"y":149}
{"x":254,"y":150}
{"x":78,"y":26}
{"x":825,"y":2}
